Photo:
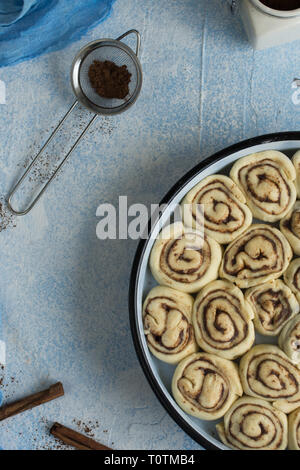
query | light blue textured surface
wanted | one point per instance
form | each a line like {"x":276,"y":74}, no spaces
{"x":63,"y":291}
{"x":48,"y":26}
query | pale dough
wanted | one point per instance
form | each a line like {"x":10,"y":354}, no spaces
{"x":267,"y":181}
{"x":218,"y":204}
{"x":167,"y":316}
{"x":183,"y":259}
{"x":222,"y":320}
{"x":260,"y":254}
{"x":205,"y":385}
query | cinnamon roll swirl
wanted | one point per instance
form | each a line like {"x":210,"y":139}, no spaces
{"x":222,"y":320}
{"x":267,"y":373}
{"x":205,"y":385}
{"x":259,"y":255}
{"x":292,"y":277}
{"x":253,"y":424}
{"x":294,"y":430}
{"x":273,"y":304}
{"x":296,"y":162}
{"x":290,"y":227}
{"x":168,"y":327}
{"x":184,"y":259}
{"x":219,"y":204}
{"x":266,"y":179}
{"x":289,"y":339}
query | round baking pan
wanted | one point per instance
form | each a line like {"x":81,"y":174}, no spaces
{"x":158,"y":373}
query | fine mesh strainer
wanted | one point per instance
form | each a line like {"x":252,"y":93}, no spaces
{"x":103,"y":49}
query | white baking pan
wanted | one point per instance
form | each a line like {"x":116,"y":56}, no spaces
{"x":159,"y":373}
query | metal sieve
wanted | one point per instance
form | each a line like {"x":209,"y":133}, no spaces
{"x":103,"y":49}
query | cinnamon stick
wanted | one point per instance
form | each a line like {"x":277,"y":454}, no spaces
{"x":27,"y":403}
{"x":73,"y":438}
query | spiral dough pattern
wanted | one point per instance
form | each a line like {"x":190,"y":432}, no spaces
{"x":292,"y":277}
{"x":261,"y":254}
{"x":253,"y":424}
{"x":222,"y":321}
{"x":289,"y":339}
{"x":267,"y":373}
{"x":290,"y":227}
{"x":205,"y":385}
{"x":183,"y":259}
{"x":168,"y":325}
{"x":294,"y":430}
{"x":296,"y":162}
{"x":273,"y":304}
{"x":266,"y":179}
{"x":219,"y":204}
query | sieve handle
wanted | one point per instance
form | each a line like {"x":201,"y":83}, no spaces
{"x":33,"y":203}
{"x":138,"y":39}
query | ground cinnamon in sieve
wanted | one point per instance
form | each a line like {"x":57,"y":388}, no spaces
{"x":109,"y":80}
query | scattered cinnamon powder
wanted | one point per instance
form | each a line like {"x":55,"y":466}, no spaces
{"x":6,"y":382}
{"x":87,"y":428}
{"x":109,"y":80}
{"x":7,"y":219}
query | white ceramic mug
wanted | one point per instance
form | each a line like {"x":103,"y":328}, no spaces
{"x":267,"y":27}
{"x":277,"y":13}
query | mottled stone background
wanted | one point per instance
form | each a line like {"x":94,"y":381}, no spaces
{"x":63,"y":292}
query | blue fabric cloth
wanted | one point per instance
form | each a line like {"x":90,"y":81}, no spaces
{"x":12,"y":10}
{"x":32,"y":27}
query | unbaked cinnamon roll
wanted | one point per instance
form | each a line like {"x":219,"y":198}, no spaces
{"x":184,"y":259}
{"x":253,"y":424}
{"x":205,"y":385}
{"x":267,"y":373}
{"x":290,"y":227}
{"x":294,"y":430}
{"x":266,"y":179}
{"x":296,"y":162}
{"x":222,"y":321}
{"x":289,"y":339}
{"x":273,"y":304}
{"x":219,"y":204}
{"x":167,"y":315}
{"x":292,"y":277}
{"x":259,"y":255}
